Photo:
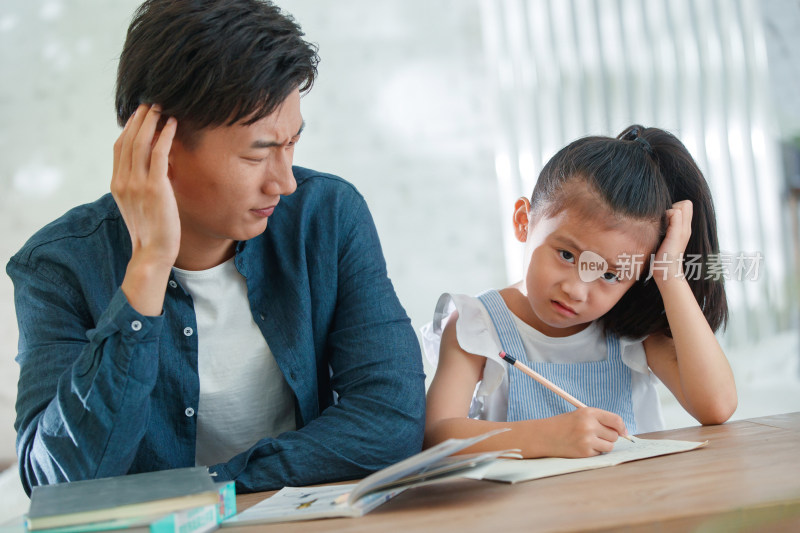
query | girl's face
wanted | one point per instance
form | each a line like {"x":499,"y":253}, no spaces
{"x":576,"y":269}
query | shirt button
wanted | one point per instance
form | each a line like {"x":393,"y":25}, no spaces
{"x":173,"y":283}
{"x":188,"y":331}
{"x":261,"y":317}
{"x":136,"y":325}
{"x":189,"y":412}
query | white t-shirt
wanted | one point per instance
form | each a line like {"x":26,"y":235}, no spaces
{"x":243,"y":394}
{"x":476,"y":334}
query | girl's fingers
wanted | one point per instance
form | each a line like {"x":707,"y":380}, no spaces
{"x":687,"y":217}
{"x":684,"y":207}
{"x":679,"y":224}
{"x":674,"y":227}
{"x":676,"y":220}
{"x":613,"y":421}
{"x":603,"y":445}
{"x":608,"y":434}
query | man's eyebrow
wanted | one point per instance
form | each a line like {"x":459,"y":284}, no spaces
{"x":272,"y":144}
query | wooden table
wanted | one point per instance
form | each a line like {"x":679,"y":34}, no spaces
{"x":746,"y":479}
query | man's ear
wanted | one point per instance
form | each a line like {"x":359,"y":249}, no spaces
{"x":177,"y":145}
{"x":522,"y":210}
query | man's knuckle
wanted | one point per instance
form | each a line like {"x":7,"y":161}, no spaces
{"x":141,"y":144}
{"x":159,"y":152}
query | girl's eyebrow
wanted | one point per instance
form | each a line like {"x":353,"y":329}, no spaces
{"x":569,"y":242}
{"x":612,"y":265}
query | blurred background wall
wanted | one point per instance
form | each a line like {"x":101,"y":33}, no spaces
{"x":441,"y":112}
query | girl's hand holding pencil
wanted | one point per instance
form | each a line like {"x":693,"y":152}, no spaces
{"x":584,"y":432}
{"x":550,"y":385}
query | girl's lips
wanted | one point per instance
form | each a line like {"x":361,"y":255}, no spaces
{"x":263,"y":213}
{"x":563,"y":309}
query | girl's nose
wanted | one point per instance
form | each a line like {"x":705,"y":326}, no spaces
{"x":576,"y":289}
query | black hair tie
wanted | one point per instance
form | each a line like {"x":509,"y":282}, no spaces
{"x":633,"y":135}
{"x":645,"y":144}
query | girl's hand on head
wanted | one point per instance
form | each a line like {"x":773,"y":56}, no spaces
{"x":669,"y":256}
{"x":584,"y":432}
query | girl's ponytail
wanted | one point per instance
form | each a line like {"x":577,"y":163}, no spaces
{"x":685,"y":181}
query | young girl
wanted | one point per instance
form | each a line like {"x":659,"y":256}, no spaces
{"x":603,"y":305}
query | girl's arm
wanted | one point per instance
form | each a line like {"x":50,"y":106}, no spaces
{"x":691,"y":364}
{"x":580,"y":433}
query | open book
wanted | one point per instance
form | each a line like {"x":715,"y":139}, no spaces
{"x":514,"y":471}
{"x":434,"y":464}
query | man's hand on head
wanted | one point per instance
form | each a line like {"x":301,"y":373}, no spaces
{"x":143,"y":192}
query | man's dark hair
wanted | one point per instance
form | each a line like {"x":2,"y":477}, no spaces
{"x":212,"y":62}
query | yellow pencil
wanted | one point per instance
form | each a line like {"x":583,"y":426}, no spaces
{"x":511,"y":360}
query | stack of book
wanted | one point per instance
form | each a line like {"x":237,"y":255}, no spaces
{"x":182,"y":500}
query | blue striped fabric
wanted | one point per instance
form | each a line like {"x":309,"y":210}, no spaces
{"x":603,"y":384}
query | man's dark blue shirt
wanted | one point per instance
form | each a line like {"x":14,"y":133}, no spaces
{"x":105,"y":391}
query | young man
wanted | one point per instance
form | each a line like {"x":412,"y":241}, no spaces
{"x":220,"y":307}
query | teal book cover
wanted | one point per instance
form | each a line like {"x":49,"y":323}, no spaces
{"x":135,"y":496}
{"x":196,"y":520}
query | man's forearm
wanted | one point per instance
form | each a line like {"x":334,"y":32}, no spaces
{"x":82,"y":416}
{"x":363,"y":433}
